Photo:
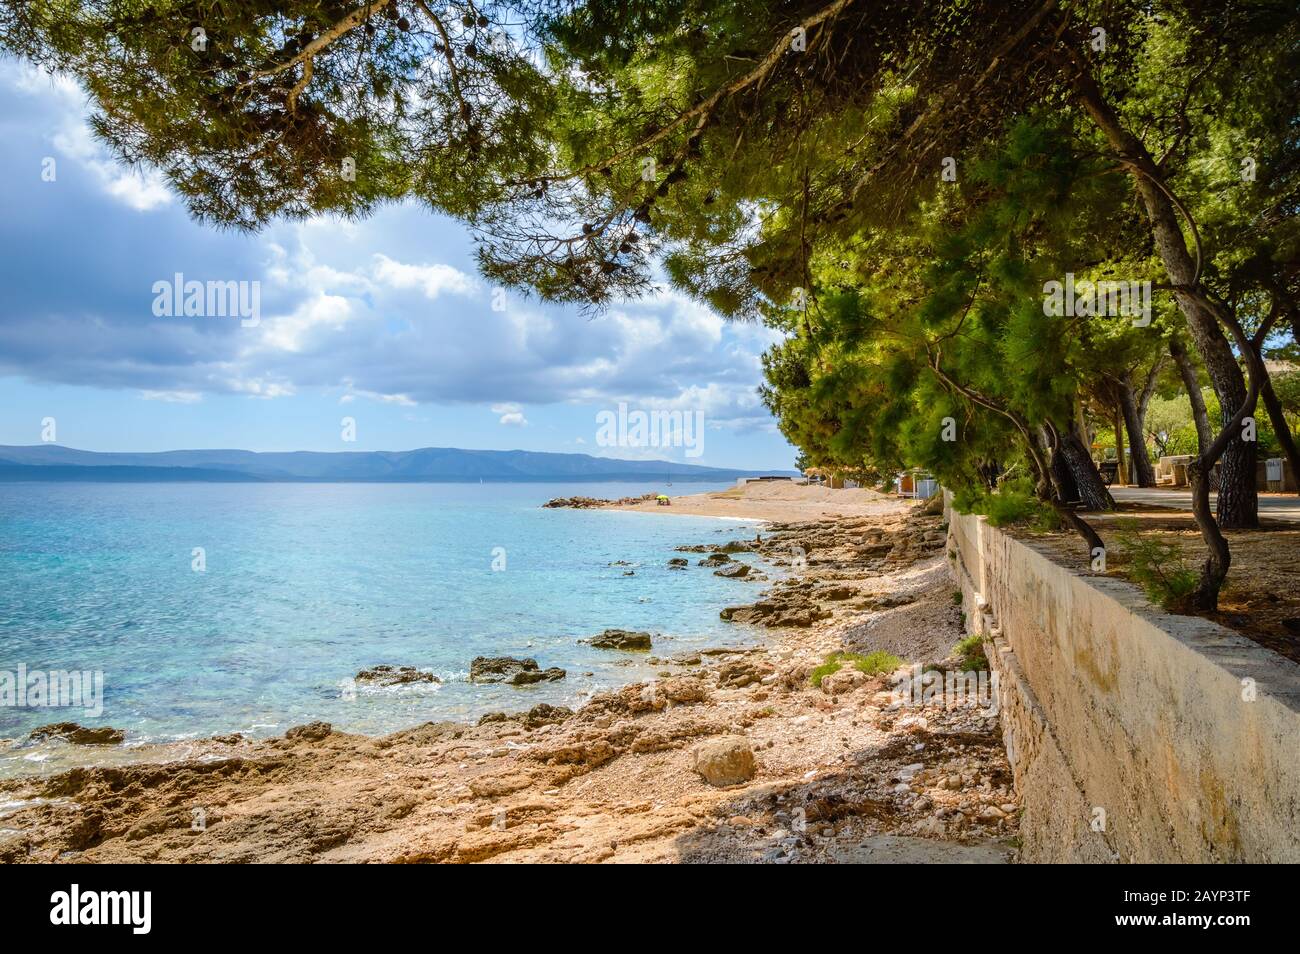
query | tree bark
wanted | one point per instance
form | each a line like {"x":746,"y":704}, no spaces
{"x":1092,"y":492}
{"x":1238,"y":503}
{"x":1137,"y":444}
{"x":1067,"y":489}
{"x":1121,"y":472}
{"x":1187,"y":371}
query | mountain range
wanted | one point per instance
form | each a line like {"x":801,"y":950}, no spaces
{"x":53,"y":462}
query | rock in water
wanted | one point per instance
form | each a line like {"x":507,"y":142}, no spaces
{"x":78,"y":734}
{"x":679,"y":563}
{"x":526,"y":677}
{"x":727,"y":760}
{"x":736,"y":546}
{"x":621,"y":639}
{"x":715,"y":559}
{"x":517,"y":672}
{"x":385,"y":675}
{"x":734,"y":570}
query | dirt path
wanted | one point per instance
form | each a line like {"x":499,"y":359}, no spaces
{"x":835,"y":772}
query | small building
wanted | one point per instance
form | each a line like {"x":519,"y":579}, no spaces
{"x":916,"y":484}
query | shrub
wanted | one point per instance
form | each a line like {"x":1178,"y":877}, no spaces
{"x":873,"y":664}
{"x":822,"y":671}
{"x":970,"y":654}
{"x":1158,"y":567}
{"x":1012,"y":503}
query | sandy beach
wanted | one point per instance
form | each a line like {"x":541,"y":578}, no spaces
{"x":780,"y":501}
{"x":743,"y":755}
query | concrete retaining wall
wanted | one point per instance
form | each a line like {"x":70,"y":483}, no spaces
{"x":1134,"y":735}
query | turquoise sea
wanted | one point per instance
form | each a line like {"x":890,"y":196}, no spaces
{"x":306,"y":584}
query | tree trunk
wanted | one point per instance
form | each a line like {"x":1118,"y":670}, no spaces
{"x":1137,"y":445}
{"x":1238,"y":504}
{"x":1215,"y":569}
{"x":1087,"y":481}
{"x":1067,"y":488}
{"x":1280,"y":426}
{"x":1117,"y":421}
{"x":1187,"y":371}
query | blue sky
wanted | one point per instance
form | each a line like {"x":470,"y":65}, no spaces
{"x":385,"y":321}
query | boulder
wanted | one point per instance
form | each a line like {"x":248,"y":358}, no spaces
{"x":715,"y":559}
{"x":78,"y":734}
{"x":543,"y":714}
{"x":846,"y":680}
{"x":736,"y":546}
{"x":311,"y":732}
{"x":517,"y":672}
{"x":678,"y":563}
{"x":622,"y":639}
{"x":733,"y":570}
{"x":727,"y":760}
{"x":526,"y":677}
{"x":741,"y":673}
{"x":385,"y":675}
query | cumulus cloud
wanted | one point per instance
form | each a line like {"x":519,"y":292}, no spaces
{"x":386,"y":310}
{"x":511,"y":414}
{"x":433,"y":280}
{"x":140,"y":189}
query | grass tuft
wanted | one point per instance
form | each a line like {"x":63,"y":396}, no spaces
{"x":970,"y":654}
{"x":873,"y":664}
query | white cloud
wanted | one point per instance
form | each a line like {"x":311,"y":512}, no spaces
{"x":433,"y":280}
{"x":172,"y":397}
{"x":141,"y":189}
{"x":511,"y":414}
{"x":260,"y":388}
{"x":290,"y":332}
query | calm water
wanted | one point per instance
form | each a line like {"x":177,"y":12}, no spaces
{"x":308,"y":583}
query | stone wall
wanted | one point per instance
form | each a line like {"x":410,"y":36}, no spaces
{"x":1134,"y":736}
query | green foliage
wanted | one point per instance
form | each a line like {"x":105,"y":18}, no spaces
{"x":873,"y":663}
{"x":919,"y":337}
{"x":1158,"y":567}
{"x":1012,"y":504}
{"x":824,"y":670}
{"x":970,"y":654}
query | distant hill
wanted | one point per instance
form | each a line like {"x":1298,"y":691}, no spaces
{"x":53,"y":462}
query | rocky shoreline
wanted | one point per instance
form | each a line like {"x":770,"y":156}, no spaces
{"x":795,"y":751}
